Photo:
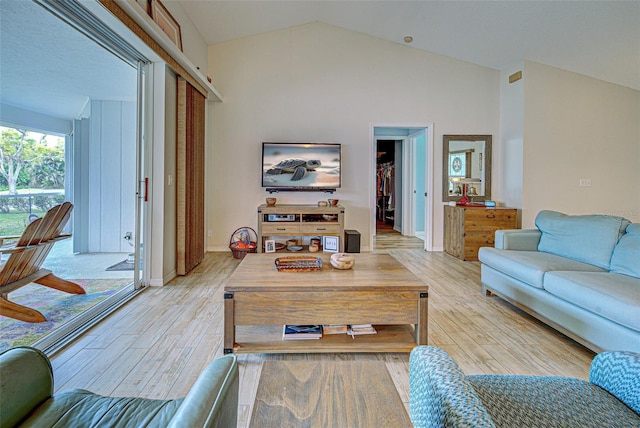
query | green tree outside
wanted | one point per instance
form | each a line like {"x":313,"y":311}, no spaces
{"x":29,"y":162}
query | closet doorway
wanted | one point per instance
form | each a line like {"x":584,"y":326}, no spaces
{"x":402,"y":187}
{"x":388,"y":186}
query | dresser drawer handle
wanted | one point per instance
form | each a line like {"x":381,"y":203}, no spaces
{"x":281,"y":228}
{"x":321,"y":228}
{"x":491,"y":216}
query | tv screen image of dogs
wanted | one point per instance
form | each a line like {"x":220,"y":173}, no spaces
{"x":301,"y":165}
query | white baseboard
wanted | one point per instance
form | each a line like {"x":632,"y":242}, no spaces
{"x":165,"y":280}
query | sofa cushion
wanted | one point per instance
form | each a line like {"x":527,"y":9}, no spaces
{"x":549,"y":401}
{"x":82,"y":408}
{"x":574,"y":236}
{"x":610,"y":295}
{"x":626,"y":255}
{"x":530,"y":267}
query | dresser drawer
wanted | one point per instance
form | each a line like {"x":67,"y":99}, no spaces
{"x":280,"y":229}
{"x":472,"y":244}
{"x":321,"y":229}
{"x":485,"y":220}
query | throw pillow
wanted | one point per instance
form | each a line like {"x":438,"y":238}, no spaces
{"x":584,"y":238}
{"x":626,"y":255}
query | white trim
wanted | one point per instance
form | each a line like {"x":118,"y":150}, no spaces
{"x":429,"y":206}
{"x":429,"y":177}
{"x":408,"y":224}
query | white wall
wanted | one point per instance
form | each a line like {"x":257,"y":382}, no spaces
{"x":577,"y":127}
{"x":508,"y":151}
{"x":317,"y":82}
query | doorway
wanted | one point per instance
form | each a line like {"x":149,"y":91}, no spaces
{"x":402,"y":186}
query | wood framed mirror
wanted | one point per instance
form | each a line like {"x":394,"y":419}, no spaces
{"x":466,"y":167}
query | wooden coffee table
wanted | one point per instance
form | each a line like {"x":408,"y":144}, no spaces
{"x":327,"y":394}
{"x":378,"y":290}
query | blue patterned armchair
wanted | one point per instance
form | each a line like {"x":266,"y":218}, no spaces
{"x":441,"y":395}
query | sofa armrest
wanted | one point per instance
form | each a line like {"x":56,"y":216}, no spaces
{"x":213,"y":399}
{"x":517,"y":239}
{"x":26,"y":381}
{"x":439,"y":394}
{"x":618,"y":372}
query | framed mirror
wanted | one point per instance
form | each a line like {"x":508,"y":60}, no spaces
{"x":466,"y":167}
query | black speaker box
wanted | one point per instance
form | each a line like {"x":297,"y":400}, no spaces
{"x":351,"y":241}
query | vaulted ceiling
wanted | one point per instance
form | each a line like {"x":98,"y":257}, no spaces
{"x":600,"y":39}
{"x":48,"y":67}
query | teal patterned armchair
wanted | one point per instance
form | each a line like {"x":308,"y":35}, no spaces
{"x":441,"y":395}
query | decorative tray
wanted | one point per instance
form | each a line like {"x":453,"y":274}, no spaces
{"x":298,"y":263}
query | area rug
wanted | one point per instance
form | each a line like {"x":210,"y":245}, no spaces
{"x":57,"y":307}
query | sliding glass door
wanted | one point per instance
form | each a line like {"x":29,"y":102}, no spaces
{"x":87,"y":87}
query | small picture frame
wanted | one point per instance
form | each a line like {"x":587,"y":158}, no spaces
{"x":161,"y":15}
{"x":270,"y":246}
{"x":330,"y":244}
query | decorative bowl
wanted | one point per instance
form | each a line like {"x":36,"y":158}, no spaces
{"x":342,"y":261}
{"x":271,"y":202}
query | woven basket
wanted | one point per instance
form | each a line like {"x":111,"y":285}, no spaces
{"x":236,"y":243}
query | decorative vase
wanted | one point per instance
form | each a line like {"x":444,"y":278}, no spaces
{"x":342,"y":261}
{"x":271,"y":202}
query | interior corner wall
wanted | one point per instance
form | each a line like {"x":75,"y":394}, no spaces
{"x":577,"y":127}
{"x":320,"y":83}
{"x":508,"y":150}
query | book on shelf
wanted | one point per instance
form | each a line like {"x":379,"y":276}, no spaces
{"x":358,"y":329}
{"x":301,"y":332}
{"x":334,"y":329}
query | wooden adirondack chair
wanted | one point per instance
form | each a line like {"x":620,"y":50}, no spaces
{"x":24,"y":264}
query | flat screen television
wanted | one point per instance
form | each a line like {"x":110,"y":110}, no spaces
{"x":301,"y":166}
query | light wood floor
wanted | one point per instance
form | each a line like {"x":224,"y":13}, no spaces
{"x":157,"y":344}
{"x":387,"y":238}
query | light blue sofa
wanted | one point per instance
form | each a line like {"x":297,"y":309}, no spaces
{"x":578,"y":274}
{"x":440,"y":395}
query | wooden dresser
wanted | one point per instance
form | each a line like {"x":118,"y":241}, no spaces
{"x":466,"y":229}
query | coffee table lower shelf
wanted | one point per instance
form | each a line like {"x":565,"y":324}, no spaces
{"x":268,"y":340}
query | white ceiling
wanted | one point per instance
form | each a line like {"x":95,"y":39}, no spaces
{"x":600,"y":39}
{"x":48,"y":67}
